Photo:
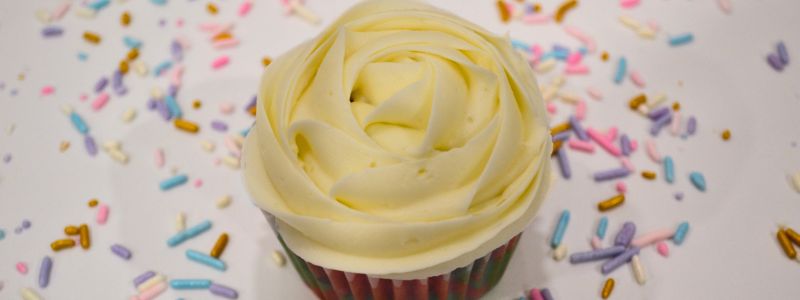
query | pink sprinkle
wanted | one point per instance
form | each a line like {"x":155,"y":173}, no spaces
{"x":226,"y":108}
{"x":100,"y":101}
{"x":175,"y":76}
{"x":574,"y":58}
{"x":245,"y":8}
{"x":536,"y":19}
{"x":621,"y":187}
{"x":220,"y":62}
{"x":217,"y":161}
{"x":536,"y":49}
{"x":179,"y":22}
{"x":652,"y":237}
{"x":585,"y":39}
{"x":603,"y":142}
{"x":653,"y":25}
{"x":596,"y":243}
{"x":226,"y":43}
{"x":47,"y":90}
{"x":209,"y":27}
{"x":637,"y":79}
{"x":675,"y":127}
{"x":84,"y":97}
{"x":22,"y":268}
{"x":725,"y":6}
{"x":510,"y":8}
{"x":579,"y":145}
{"x":634,"y":145}
{"x":627,"y":164}
{"x":198,"y":183}
{"x":611,"y":134}
{"x":652,"y":152}
{"x":663,"y":249}
{"x":576,"y":70}
{"x":232,"y":146}
{"x":102,"y":214}
{"x":159,"y":158}
{"x":594,"y":93}
{"x":629,"y":3}
{"x":580,"y":110}
{"x":59,"y":11}
{"x":551,"y":107}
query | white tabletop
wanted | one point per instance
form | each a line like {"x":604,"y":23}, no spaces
{"x":722,"y":78}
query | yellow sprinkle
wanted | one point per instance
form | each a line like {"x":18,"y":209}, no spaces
{"x":118,"y":155}
{"x":637,"y":101}
{"x":29,"y":294}
{"x":63,"y":146}
{"x":231,"y":161}
{"x":563,"y":9}
{"x":123,"y":67}
{"x":187,"y":126}
{"x":266,"y":61}
{"x":278,"y":257}
{"x":62,"y":244}
{"x":129,"y":115}
{"x":91,"y":37}
{"x":180,"y":222}
{"x":71,"y":230}
{"x":212,"y":9}
{"x":726,"y":135}
{"x":93,"y":202}
{"x":608,"y":288}
{"x":649,"y":175}
{"x":125,"y":19}
{"x":85,"y":239}
{"x":560,"y":252}
{"x":196,"y":104}
{"x":223,"y":202}
{"x":611,"y":202}
{"x":207,"y":145}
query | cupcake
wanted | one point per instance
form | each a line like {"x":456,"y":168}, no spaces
{"x":399,"y":154}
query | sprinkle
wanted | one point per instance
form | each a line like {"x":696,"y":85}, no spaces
{"x":157,"y":288}
{"x":85,"y":240}
{"x":219,"y":246}
{"x":92,"y":37}
{"x":611,"y":174}
{"x":132,"y":42}
{"x":662,"y":248}
{"x":102,"y":214}
{"x":100,"y":101}
{"x":660,"y":123}
{"x":628,"y":3}
{"x":562,"y":10}
{"x":159,"y":2}
{"x":99,"y":4}
{"x":43,"y":16}
{"x":143,"y":277}
{"x":546,"y":65}
{"x":227,"y":43}
{"x":725,"y":6}
{"x":594,"y":93}
{"x":608,"y":287}
{"x":622,"y":68}
{"x":611,"y":203}
{"x":220,"y":62}
{"x":71,"y":230}
{"x":223,"y":201}
{"x":125,"y":19}
{"x":121,"y":251}
{"x":726,"y":135}
{"x":211,"y":8}
{"x":207,"y":145}
{"x":580,"y":111}
{"x":625,"y":234}
{"x":536,"y":294}
{"x":637,"y":79}
{"x":680,"y":233}
{"x":621,"y":187}
{"x":172,"y":182}
{"x":187,"y":126}
{"x":786,"y":245}
{"x":180,"y":222}
{"x":638,"y":270}
{"x":22,"y":267}
{"x":618,"y":260}
{"x":91,"y":147}
{"x":603,"y":142}
{"x":278,"y":258}
{"x":546,"y":295}
{"x":669,"y":169}
{"x":793,"y":236}
{"x":698,"y":180}
{"x":581,"y":145}
{"x":231,"y":162}
{"x":245,"y":7}
{"x":52,"y":31}
{"x":652,"y":237}
{"x":596,"y":243}
{"x":61,"y":244}
{"x":783,"y":54}
{"x":78,"y":122}
{"x":795,"y":180}
{"x":563,"y":163}
{"x":29,"y":294}
{"x":597,"y":254}
{"x":190,"y":233}
{"x":602,"y":227}
{"x":561,"y":227}
{"x":59,"y":11}
{"x":205,"y":259}
{"x":560,"y":252}
{"x":149,"y":283}
{"x":680,"y":40}
{"x":129,"y":115}
{"x":186,"y":284}
{"x":198,"y":183}
{"x":223,"y":291}
{"x":219,"y":126}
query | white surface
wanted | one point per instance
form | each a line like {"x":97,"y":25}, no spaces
{"x":730,"y":252}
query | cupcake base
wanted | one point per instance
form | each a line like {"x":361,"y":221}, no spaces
{"x":469,"y":282}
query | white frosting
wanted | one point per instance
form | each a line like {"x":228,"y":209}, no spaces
{"x":402,"y":142}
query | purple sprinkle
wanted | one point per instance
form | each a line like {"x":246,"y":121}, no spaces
{"x":679,"y":196}
{"x":658,"y":113}
{"x":219,"y":126}
{"x":251,"y":104}
{"x":625,"y":144}
{"x":52,"y":31}
{"x":44,"y":271}
{"x":152,"y":104}
{"x":662,"y":122}
{"x":7,"y":158}
{"x":560,"y":48}
{"x":563,"y":163}
{"x":91,"y":147}
{"x":18,"y":230}
{"x":177,"y":50}
{"x":619,"y":260}
{"x":144,"y":277}
{"x":611,"y":174}
{"x":163,"y":110}
{"x":561,"y":136}
{"x":14,"y":92}
{"x":625,"y":235}
{"x":546,"y":295}
{"x":116,"y":79}
{"x":783,"y":54}
{"x":162,"y":22}
{"x":173,"y":90}
{"x":26,"y":224}
{"x":578,"y":128}
{"x":101,"y":84}
{"x":120,"y":90}
{"x":121,"y":251}
{"x":223,"y":291}
{"x":691,"y":126}
{"x":598,"y":254}
{"x":775,"y":62}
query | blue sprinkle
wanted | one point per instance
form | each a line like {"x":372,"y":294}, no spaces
{"x":2,"y":234}
{"x":698,"y":181}
{"x":173,"y":182}
{"x":680,"y":233}
{"x":602,"y":227}
{"x":82,"y":56}
{"x":159,"y":2}
{"x":99,"y":4}
{"x":517,"y":44}
{"x":173,"y":107}
{"x":205,"y":259}
{"x":560,"y":54}
{"x":680,"y":40}
{"x":583,"y":50}
{"x":189,"y":233}
{"x":622,"y":69}
{"x":558,"y":235}
{"x":162,"y":67}
{"x":184,"y":284}
{"x":245,"y":131}
{"x":132,"y":42}
{"x":669,"y":169}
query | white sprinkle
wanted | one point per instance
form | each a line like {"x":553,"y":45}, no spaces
{"x":67,"y":109}
{"x":630,"y":22}
{"x":559,"y":81}
{"x":43,"y":16}
{"x":560,"y":252}
{"x":85,"y":12}
{"x":180,"y":222}
{"x":157,"y":93}
{"x":303,"y":12}
{"x":112,"y":145}
{"x":141,"y":68}
{"x":29,"y":294}
{"x":207,"y":145}
{"x":549,"y":92}
{"x":278,"y":258}
{"x":638,"y":270}
{"x":546,"y":65}
{"x":224,"y":201}
{"x":569,"y":97}
{"x":231,"y":161}
{"x":118,"y":155}
{"x":646,"y":32}
{"x":129,"y":115}
{"x":657,"y":100}
{"x":796,"y":181}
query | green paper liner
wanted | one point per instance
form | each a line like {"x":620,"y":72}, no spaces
{"x":469,"y":282}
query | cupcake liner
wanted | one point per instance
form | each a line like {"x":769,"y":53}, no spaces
{"x":469,"y":282}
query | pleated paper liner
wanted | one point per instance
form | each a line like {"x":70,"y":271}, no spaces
{"x":470,"y":282}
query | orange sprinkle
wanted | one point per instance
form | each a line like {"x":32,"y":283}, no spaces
{"x":222,"y":36}
{"x":187,"y":126}
{"x":211,"y":8}
{"x":91,"y":37}
{"x":505,"y":15}
{"x":563,"y":9}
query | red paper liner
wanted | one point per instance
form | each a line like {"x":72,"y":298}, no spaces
{"x":469,"y":282}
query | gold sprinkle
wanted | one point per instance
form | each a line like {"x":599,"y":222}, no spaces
{"x":793,"y":236}
{"x":649,"y":175}
{"x":726,"y":135}
{"x":125,"y":19}
{"x":85,"y":239}
{"x":604,"y":56}
{"x":266,"y":61}
{"x":212,"y":9}
{"x":71,"y":230}
{"x":556,"y":146}
{"x":608,"y":288}
{"x":611,"y":202}
{"x":637,"y":101}
{"x":93,"y":202}
{"x":187,"y":126}
{"x":91,"y":37}
{"x":563,"y":9}
{"x":537,"y":7}
{"x":62,"y":244}
{"x":676,"y":106}
{"x":123,"y":67}
{"x":252,"y":111}
{"x":133,"y":54}
{"x":219,"y":246}
{"x":196,"y":104}
{"x":783,"y":239}
{"x":559,"y":128}
{"x":222,"y":36}
{"x":63,"y":146}
{"x":505,"y":15}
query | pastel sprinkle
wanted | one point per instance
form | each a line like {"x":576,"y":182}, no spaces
{"x":186,"y":284}
{"x":637,"y":79}
{"x":602,"y":227}
{"x":622,"y":68}
{"x":223,"y":291}
{"x":561,"y":227}
{"x":601,"y":140}
{"x":220,"y":62}
{"x":680,"y":233}
{"x":100,"y":101}
{"x":22,"y":268}
{"x":44,"y":271}
{"x":190,"y":233}
{"x":52,"y":31}
{"x":121,"y":251}
{"x":681,"y":39}
{"x":205,"y":259}
{"x":172,"y":182}
{"x":619,"y":260}
{"x":625,"y":234}
{"x":560,"y":252}
{"x":638,"y":270}
{"x":611,"y":174}
{"x":29,"y":294}
{"x":662,"y":248}
{"x":652,"y":237}
{"x":102,"y":214}
{"x":597,"y":254}
{"x":669,"y":169}
{"x":143,"y":277}
{"x":91,"y":147}
{"x":563,"y":163}
{"x":698,"y":180}
{"x":774,"y":62}
{"x":783,"y":54}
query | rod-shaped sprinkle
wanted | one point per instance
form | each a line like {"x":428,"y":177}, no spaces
{"x":536,"y":294}
{"x":44,"y":271}
{"x":625,"y":145}
{"x":611,"y":202}
{"x":786,"y":245}
{"x":775,"y":62}
{"x":578,"y":128}
{"x":85,"y":238}
{"x":652,"y":237}
{"x":660,"y":123}
{"x":91,"y":147}
{"x":594,"y":255}
{"x":793,"y":236}
{"x":669,"y":169}
{"x":638,"y":270}
{"x":172,"y":182}
{"x":601,"y":140}
{"x":608,"y":287}
{"x":680,"y":233}
{"x":698,"y":181}
{"x":619,"y":260}
{"x":205,"y":259}
{"x":223,"y":291}
{"x":62,"y":244}
{"x":658,"y":113}
{"x":783,"y":54}
{"x":78,"y":123}
{"x":561,"y":227}
{"x":563,"y":163}
{"x":611,"y":174}
{"x":546,"y":294}
{"x":602,"y":227}
{"x":189,"y":233}
{"x":143,"y":277}
{"x":691,"y":126}
{"x":219,"y":246}
{"x":189,"y":284}
{"x":121,"y":251}
{"x":625,"y":234}
{"x":622,"y":69}
{"x":681,"y":39}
